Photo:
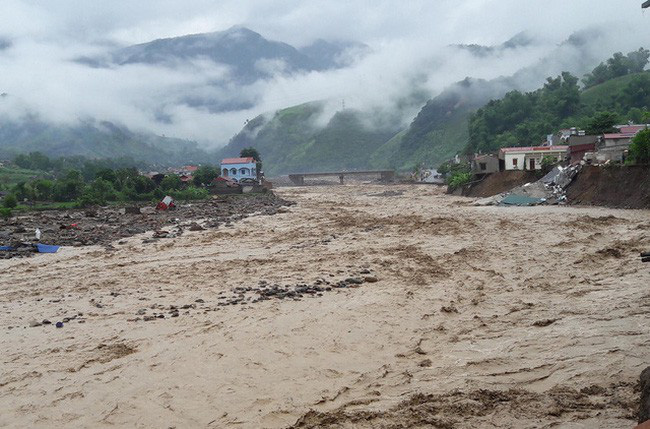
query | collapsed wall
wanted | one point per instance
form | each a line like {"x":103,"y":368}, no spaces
{"x":613,"y":186}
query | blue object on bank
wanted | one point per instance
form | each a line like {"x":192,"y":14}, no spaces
{"x":6,"y":248}
{"x":45,"y":248}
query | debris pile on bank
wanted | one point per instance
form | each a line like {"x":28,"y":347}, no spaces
{"x":550,"y":189}
{"x":104,"y":225}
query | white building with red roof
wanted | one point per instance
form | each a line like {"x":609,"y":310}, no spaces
{"x":238,"y":169}
{"x":530,"y":157}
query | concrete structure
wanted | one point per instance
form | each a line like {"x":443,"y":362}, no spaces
{"x":614,"y":146}
{"x":237,"y":169}
{"x":530,"y":158}
{"x":485,"y":164}
{"x":384,"y":175}
{"x":580,"y":145}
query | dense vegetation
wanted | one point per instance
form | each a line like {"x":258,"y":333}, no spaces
{"x":640,"y":148}
{"x":98,"y":182}
{"x":618,"y":65}
{"x":523,"y":119}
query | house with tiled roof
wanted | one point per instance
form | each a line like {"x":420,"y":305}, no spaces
{"x":238,"y":169}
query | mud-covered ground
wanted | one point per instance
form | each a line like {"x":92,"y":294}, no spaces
{"x":361,"y":306}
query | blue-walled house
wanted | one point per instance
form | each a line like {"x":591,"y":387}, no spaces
{"x":239,"y":168}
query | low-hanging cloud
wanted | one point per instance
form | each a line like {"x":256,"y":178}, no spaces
{"x":410,"y":59}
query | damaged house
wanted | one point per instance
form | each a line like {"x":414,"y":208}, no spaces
{"x":529,"y":158}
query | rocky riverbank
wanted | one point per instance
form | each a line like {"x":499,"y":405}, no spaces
{"x":106,"y":225}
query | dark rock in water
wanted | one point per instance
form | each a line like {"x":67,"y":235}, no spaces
{"x":195,"y":227}
{"x":644,"y":385}
{"x":200,"y":301}
{"x":370,"y":279}
{"x":545,"y":322}
{"x":354,"y":281}
{"x":46,"y":322}
{"x":425,"y":363}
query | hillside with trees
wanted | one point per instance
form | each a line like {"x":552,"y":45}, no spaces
{"x":523,"y":119}
{"x":291,"y":140}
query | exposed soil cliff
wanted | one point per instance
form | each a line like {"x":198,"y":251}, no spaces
{"x":620,"y":187}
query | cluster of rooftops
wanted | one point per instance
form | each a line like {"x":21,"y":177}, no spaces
{"x":570,"y":145}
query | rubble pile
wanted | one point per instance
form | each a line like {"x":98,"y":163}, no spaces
{"x":104,"y":225}
{"x":550,"y":189}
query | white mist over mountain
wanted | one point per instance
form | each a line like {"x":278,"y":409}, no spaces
{"x":391,"y":55}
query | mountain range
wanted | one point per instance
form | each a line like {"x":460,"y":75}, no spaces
{"x":438,"y":131}
{"x":248,"y":55}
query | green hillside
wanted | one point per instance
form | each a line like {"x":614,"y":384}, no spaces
{"x":523,"y":119}
{"x":291,"y":140}
{"x":611,"y":94}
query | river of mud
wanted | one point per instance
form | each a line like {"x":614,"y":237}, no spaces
{"x":383,"y":306}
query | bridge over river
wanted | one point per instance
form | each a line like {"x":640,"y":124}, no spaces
{"x":383,"y":175}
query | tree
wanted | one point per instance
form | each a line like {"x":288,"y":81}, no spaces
{"x":10,"y":201}
{"x":171,"y":182}
{"x":637,"y":60}
{"x":599,"y":75}
{"x":640,"y":148}
{"x":548,"y":162}
{"x":602,"y":122}
{"x":618,"y":65}
{"x":142,"y":184}
{"x":637,"y":92}
{"x":107,"y":174}
{"x":205,"y":175}
{"x":42,"y":189}
{"x":250,"y":152}
{"x":98,"y":193}
{"x":34,"y":161}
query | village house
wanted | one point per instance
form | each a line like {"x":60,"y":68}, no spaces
{"x":485,"y":164}
{"x":613,"y":147}
{"x":238,"y":169}
{"x":529,"y":158}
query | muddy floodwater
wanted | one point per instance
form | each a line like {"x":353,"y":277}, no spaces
{"x":359,"y":307}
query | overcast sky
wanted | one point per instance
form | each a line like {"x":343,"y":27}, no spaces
{"x":404,"y":35}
